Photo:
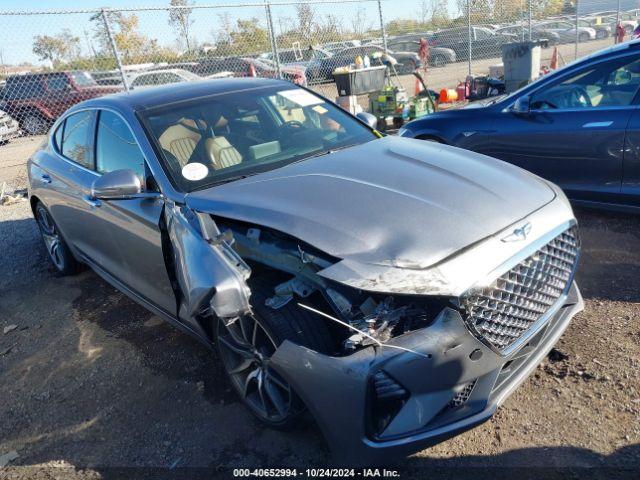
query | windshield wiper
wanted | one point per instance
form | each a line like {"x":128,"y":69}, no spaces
{"x":328,"y":152}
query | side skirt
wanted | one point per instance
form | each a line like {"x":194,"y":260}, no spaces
{"x":133,"y":295}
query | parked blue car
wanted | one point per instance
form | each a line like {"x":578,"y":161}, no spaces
{"x":578,"y":127}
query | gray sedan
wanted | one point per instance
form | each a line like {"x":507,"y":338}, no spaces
{"x":397,"y":290}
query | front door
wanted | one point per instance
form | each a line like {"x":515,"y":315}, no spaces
{"x":574,"y":133}
{"x":631,"y":170}
{"x":133,"y":225}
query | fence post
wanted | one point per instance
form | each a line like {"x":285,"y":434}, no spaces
{"x":575,"y":56}
{"x":114,"y":48}
{"x":272,"y":37}
{"x":383,"y":31}
{"x":469,"y":32}
{"x":529,"y":28}
{"x":615,"y":32}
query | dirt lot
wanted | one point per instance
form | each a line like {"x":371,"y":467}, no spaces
{"x":90,"y":382}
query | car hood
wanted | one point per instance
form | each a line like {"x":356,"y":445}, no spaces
{"x":395,"y":202}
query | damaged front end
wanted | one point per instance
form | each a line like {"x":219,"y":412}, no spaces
{"x":408,"y":365}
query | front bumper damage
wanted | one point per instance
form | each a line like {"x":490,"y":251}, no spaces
{"x":450,"y":361}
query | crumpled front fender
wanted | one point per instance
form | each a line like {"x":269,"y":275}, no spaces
{"x":209,"y":273}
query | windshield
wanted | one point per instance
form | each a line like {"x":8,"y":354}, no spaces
{"x":229,"y":136}
{"x":83,"y":79}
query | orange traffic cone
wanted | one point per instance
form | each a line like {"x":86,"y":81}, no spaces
{"x":554,"y":59}
{"x":252,"y":70}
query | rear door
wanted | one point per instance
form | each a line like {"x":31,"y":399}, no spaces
{"x":68,"y":176}
{"x":575,"y":132}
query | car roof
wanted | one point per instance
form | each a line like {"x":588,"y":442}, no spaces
{"x":22,"y":76}
{"x":152,"y":97}
{"x":161,"y":70}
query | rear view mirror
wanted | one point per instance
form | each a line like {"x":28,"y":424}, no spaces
{"x":522,"y":105}
{"x":118,"y":184}
{"x":368,"y":118}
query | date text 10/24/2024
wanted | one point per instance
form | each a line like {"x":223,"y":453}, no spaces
{"x":316,"y":472}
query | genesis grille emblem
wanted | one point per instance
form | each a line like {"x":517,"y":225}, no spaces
{"x":518,"y":234}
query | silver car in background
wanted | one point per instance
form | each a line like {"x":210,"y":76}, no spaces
{"x":9,"y":127}
{"x":396,"y":290}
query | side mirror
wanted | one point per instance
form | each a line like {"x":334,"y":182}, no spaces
{"x":522,"y":105}
{"x":368,"y":118}
{"x":117,"y":185}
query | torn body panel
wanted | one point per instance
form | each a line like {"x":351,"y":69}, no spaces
{"x":453,"y":385}
{"x":210,"y":274}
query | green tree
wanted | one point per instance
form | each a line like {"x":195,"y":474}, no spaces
{"x":248,"y":36}
{"x":49,"y":48}
{"x":57,"y":48}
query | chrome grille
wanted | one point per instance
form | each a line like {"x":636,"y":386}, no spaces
{"x":502,"y":312}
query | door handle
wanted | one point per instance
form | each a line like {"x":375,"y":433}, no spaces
{"x":92,"y":202}
{"x":45,"y":179}
{"x":598,"y":124}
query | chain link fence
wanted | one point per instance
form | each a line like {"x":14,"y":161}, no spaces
{"x":50,"y":60}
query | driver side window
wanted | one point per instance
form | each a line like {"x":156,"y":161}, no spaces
{"x":610,"y":84}
{"x":116,"y":148}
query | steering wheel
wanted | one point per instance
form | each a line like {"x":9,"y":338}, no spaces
{"x":293,"y":124}
{"x":545,"y":102}
{"x":580,"y":97}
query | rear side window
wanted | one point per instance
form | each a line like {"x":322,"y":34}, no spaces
{"x":116,"y":148}
{"x":58,"y":83}
{"x":76,"y":141}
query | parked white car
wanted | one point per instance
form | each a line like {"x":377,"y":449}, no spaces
{"x":9,"y":127}
{"x":152,"y":78}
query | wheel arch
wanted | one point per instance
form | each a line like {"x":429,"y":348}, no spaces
{"x":33,"y":201}
{"x":431,"y":137}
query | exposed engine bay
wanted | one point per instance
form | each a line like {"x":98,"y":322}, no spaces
{"x":360,"y":318}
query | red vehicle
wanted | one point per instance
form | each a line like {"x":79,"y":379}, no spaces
{"x":36,"y":100}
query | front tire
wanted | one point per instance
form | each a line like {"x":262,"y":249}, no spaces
{"x":246,"y":346}
{"x":58,"y":250}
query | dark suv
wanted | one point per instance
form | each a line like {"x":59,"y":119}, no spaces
{"x":36,"y":100}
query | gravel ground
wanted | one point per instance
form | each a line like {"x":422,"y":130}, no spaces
{"x":97,"y":382}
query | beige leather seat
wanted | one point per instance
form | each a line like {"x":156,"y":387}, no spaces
{"x":181,"y":140}
{"x":221,"y":153}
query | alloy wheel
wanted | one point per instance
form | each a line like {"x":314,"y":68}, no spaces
{"x":246,"y":348}
{"x":34,"y":125}
{"x":51,"y":237}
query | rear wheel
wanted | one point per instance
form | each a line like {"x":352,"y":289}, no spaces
{"x":439,"y":61}
{"x":34,"y":124}
{"x":583,"y":37}
{"x":58,"y":251}
{"x":430,"y":139}
{"x":406,"y":66}
{"x":246,"y":347}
